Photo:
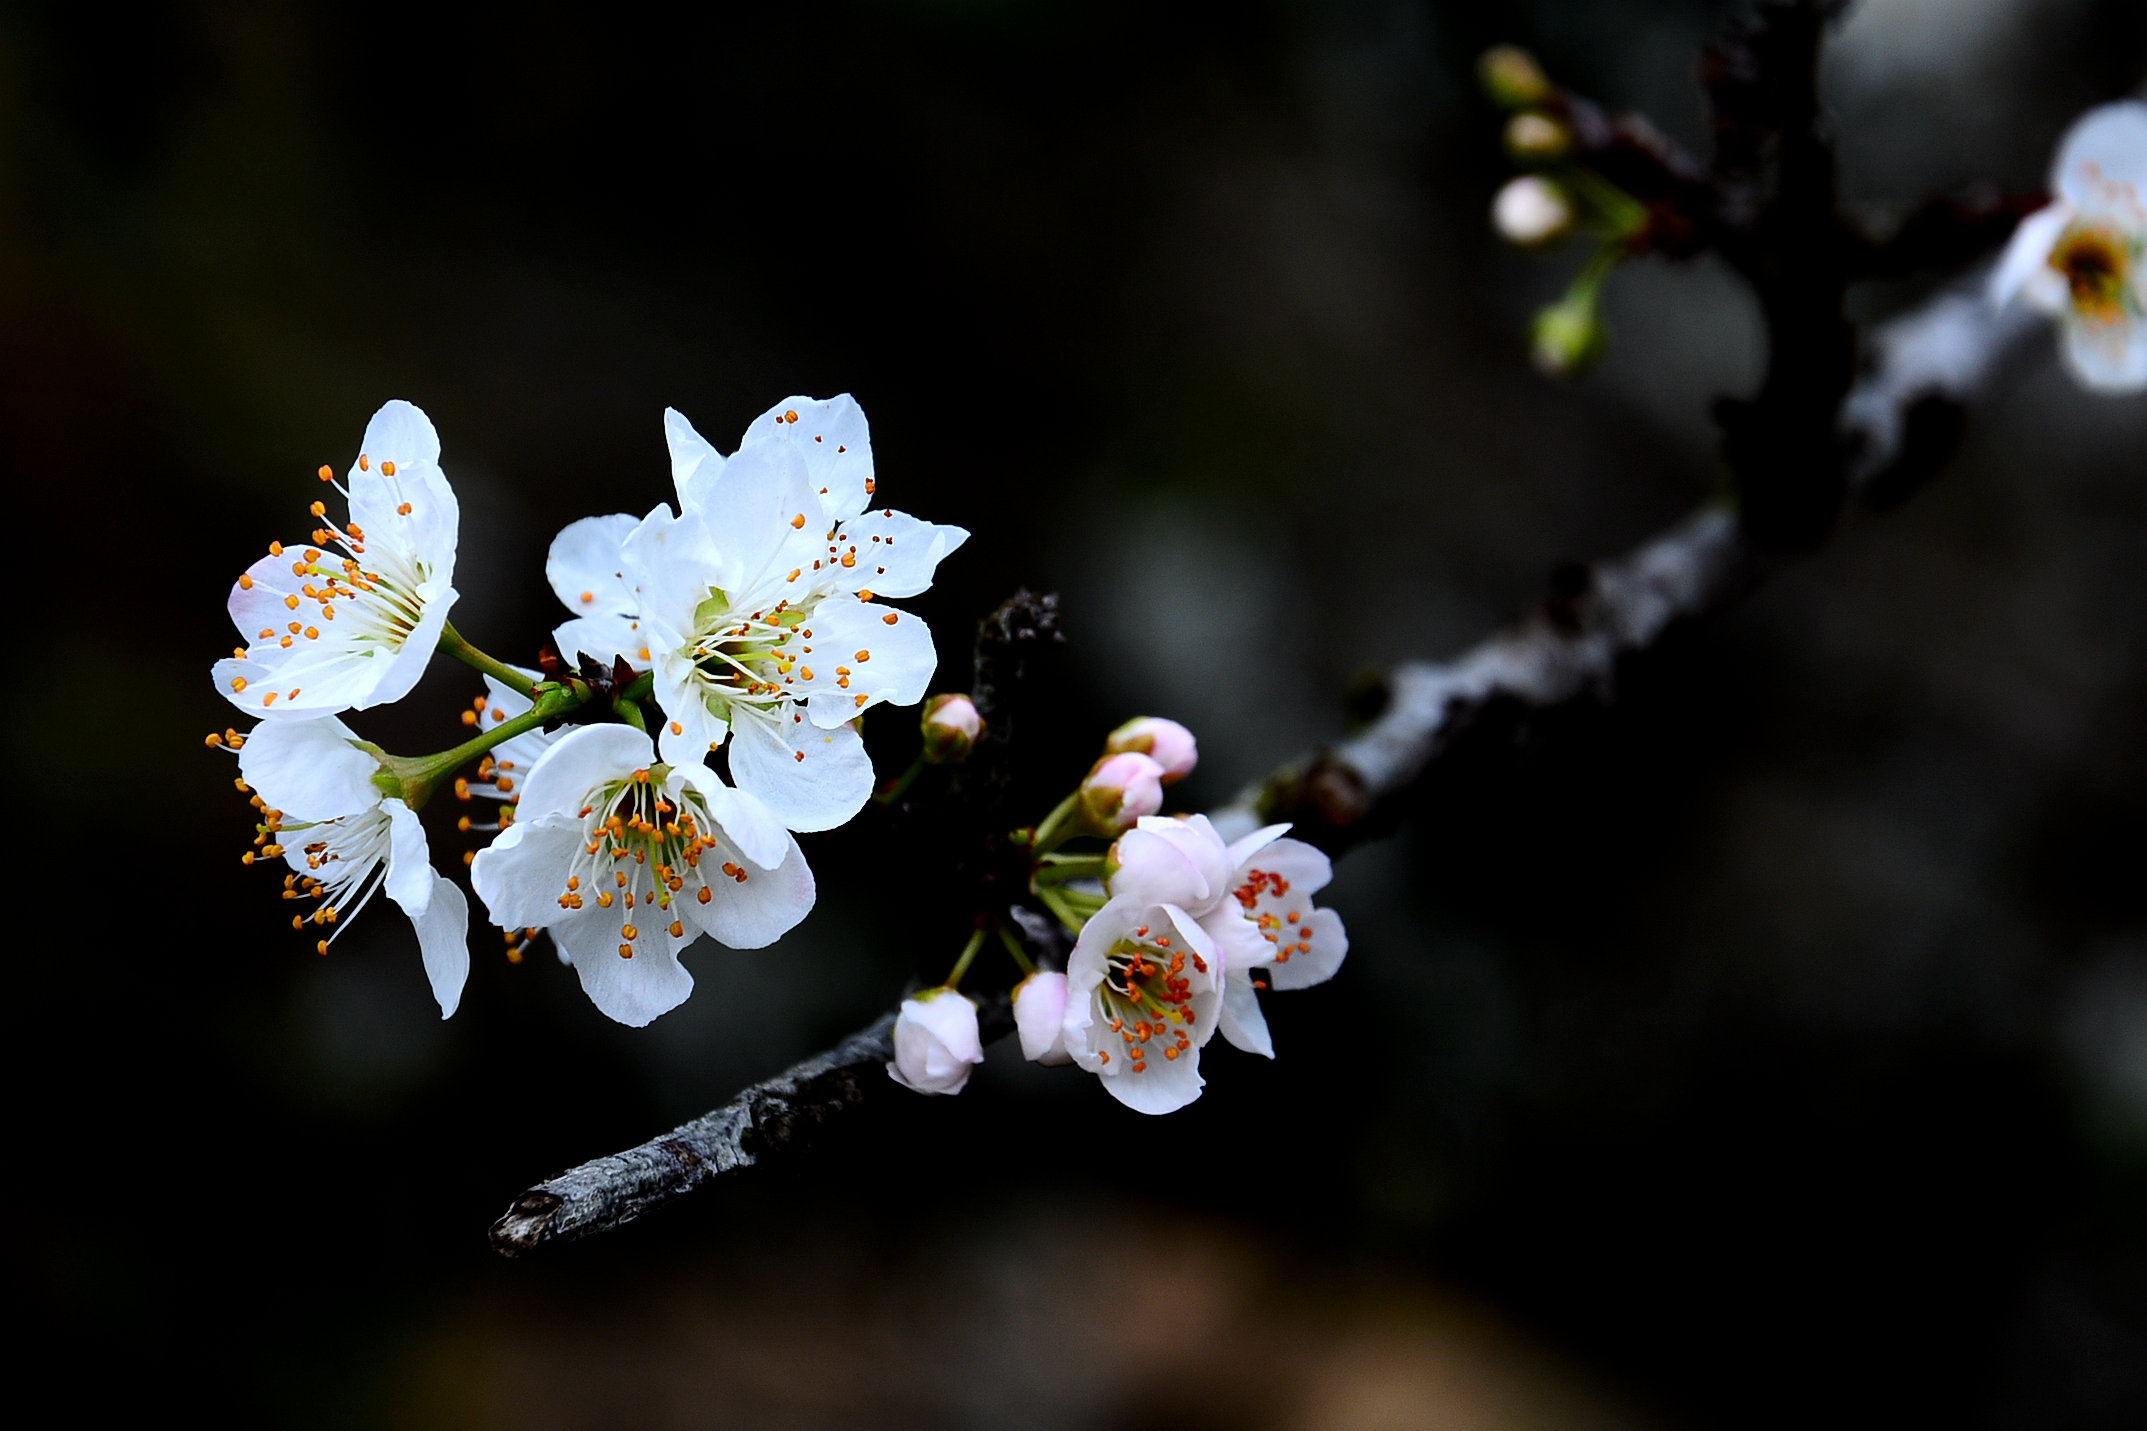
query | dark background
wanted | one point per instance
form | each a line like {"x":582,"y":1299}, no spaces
{"x":1769,"y":1049}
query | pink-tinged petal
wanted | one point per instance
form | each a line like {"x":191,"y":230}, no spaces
{"x":1166,"y":861}
{"x":753,"y":912}
{"x":2025,"y":272}
{"x":2108,"y":356}
{"x":1316,"y":945}
{"x":586,"y":566}
{"x":2102,"y":163}
{"x":860,"y":658}
{"x":583,"y":759}
{"x":1242,"y":1023}
{"x":1303,"y":869}
{"x":812,"y":779}
{"x":1040,"y":1017}
{"x":695,"y":465}
{"x":311,"y":769}
{"x":895,"y":554}
{"x":936,"y":1042}
{"x":833,"y":439}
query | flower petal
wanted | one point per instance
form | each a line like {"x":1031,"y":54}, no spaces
{"x":1242,"y":1022}
{"x":834,"y":440}
{"x":559,"y":784}
{"x":695,"y":465}
{"x":633,"y":991}
{"x":744,"y":821}
{"x":443,"y":937}
{"x":520,"y":875}
{"x":2108,"y":356}
{"x":812,"y":779}
{"x":586,"y":568}
{"x":897,"y":554}
{"x":755,"y":912}
{"x":2102,"y":162}
{"x":862,"y":654}
{"x":2025,"y":270}
{"x":1314,"y":955}
{"x":311,"y":768}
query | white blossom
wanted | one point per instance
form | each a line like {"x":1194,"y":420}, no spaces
{"x":1040,"y":1017}
{"x":1143,"y":995}
{"x":345,"y":839}
{"x":1254,"y":900}
{"x":2083,"y":258}
{"x":350,"y":619}
{"x":626,"y":861}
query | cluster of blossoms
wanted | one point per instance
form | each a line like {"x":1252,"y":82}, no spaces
{"x":702,"y":708}
{"x":2083,"y":258}
{"x":1175,"y":929}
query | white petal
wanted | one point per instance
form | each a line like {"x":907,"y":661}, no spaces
{"x":399,"y":674}
{"x":603,"y":639}
{"x":896,"y":553}
{"x":754,"y":912}
{"x":582,"y":760}
{"x":633,"y":991}
{"x":819,"y":791}
{"x":2025,"y":270}
{"x":1322,"y":930}
{"x":1242,"y":1022}
{"x":1164,"y":861}
{"x":1302,"y":867}
{"x":401,"y":434}
{"x":443,"y":937}
{"x":1163,"y":1086}
{"x":744,"y":821}
{"x":2103,"y":160}
{"x":2108,"y":357}
{"x":862,"y":654}
{"x":1040,"y":1017}
{"x":835,"y":442}
{"x":695,"y":465}
{"x":311,"y":769}
{"x":585,"y":567}
{"x":410,"y":873}
{"x":521,"y":875}
{"x":753,"y":515}
{"x":1245,"y":847}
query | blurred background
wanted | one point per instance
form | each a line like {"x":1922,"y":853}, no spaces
{"x":1768,"y":1049}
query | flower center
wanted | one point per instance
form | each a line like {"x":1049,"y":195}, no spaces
{"x":1146,"y":998}
{"x":346,"y":862}
{"x":2096,"y":265}
{"x":746,"y":660}
{"x":640,"y":851}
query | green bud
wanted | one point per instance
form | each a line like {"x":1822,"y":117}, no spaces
{"x":1513,"y":79}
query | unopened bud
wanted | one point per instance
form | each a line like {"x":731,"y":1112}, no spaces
{"x":1532,"y":211}
{"x":1568,"y":335}
{"x":1040,"y":1017}
{"x":951,"y":726}
{"x":1166,"y":742}
{"x":1534,"y":138}
{"x":1119,"y":790}
{"x":936,"y":1042}
{"x":1512,"y":78}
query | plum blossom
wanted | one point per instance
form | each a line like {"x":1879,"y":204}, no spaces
{"x":1251,"y":897}
{"x":2083,"y":258}
{"x":627,"y":861}
{"x":1144,"y":989}
{"x":756,"y":606}
{"x":936,"y":1042}
{"x":950,"y":726}
{"x":345,"y":839}
{"x":350,"y":620}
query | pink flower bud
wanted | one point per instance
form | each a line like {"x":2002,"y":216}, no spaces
{"x":1166,"y":742}
{"x":951,"y":726}
{"x":1531,"y":210}
{"x":1119,"y":790}
{"x":936,"y":1042}
{"x":1040,"y":1017}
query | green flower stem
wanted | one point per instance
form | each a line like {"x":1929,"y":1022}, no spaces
{"x":452,"y":643}
{"x":1013,"y":947}
{"x":1056,"y":901}
{"x":969,"y":954}
{"x":1057,"y":869}
{"x":415,"y":777}
{"x":894,"y":789}
{"x":1062,"y":824}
